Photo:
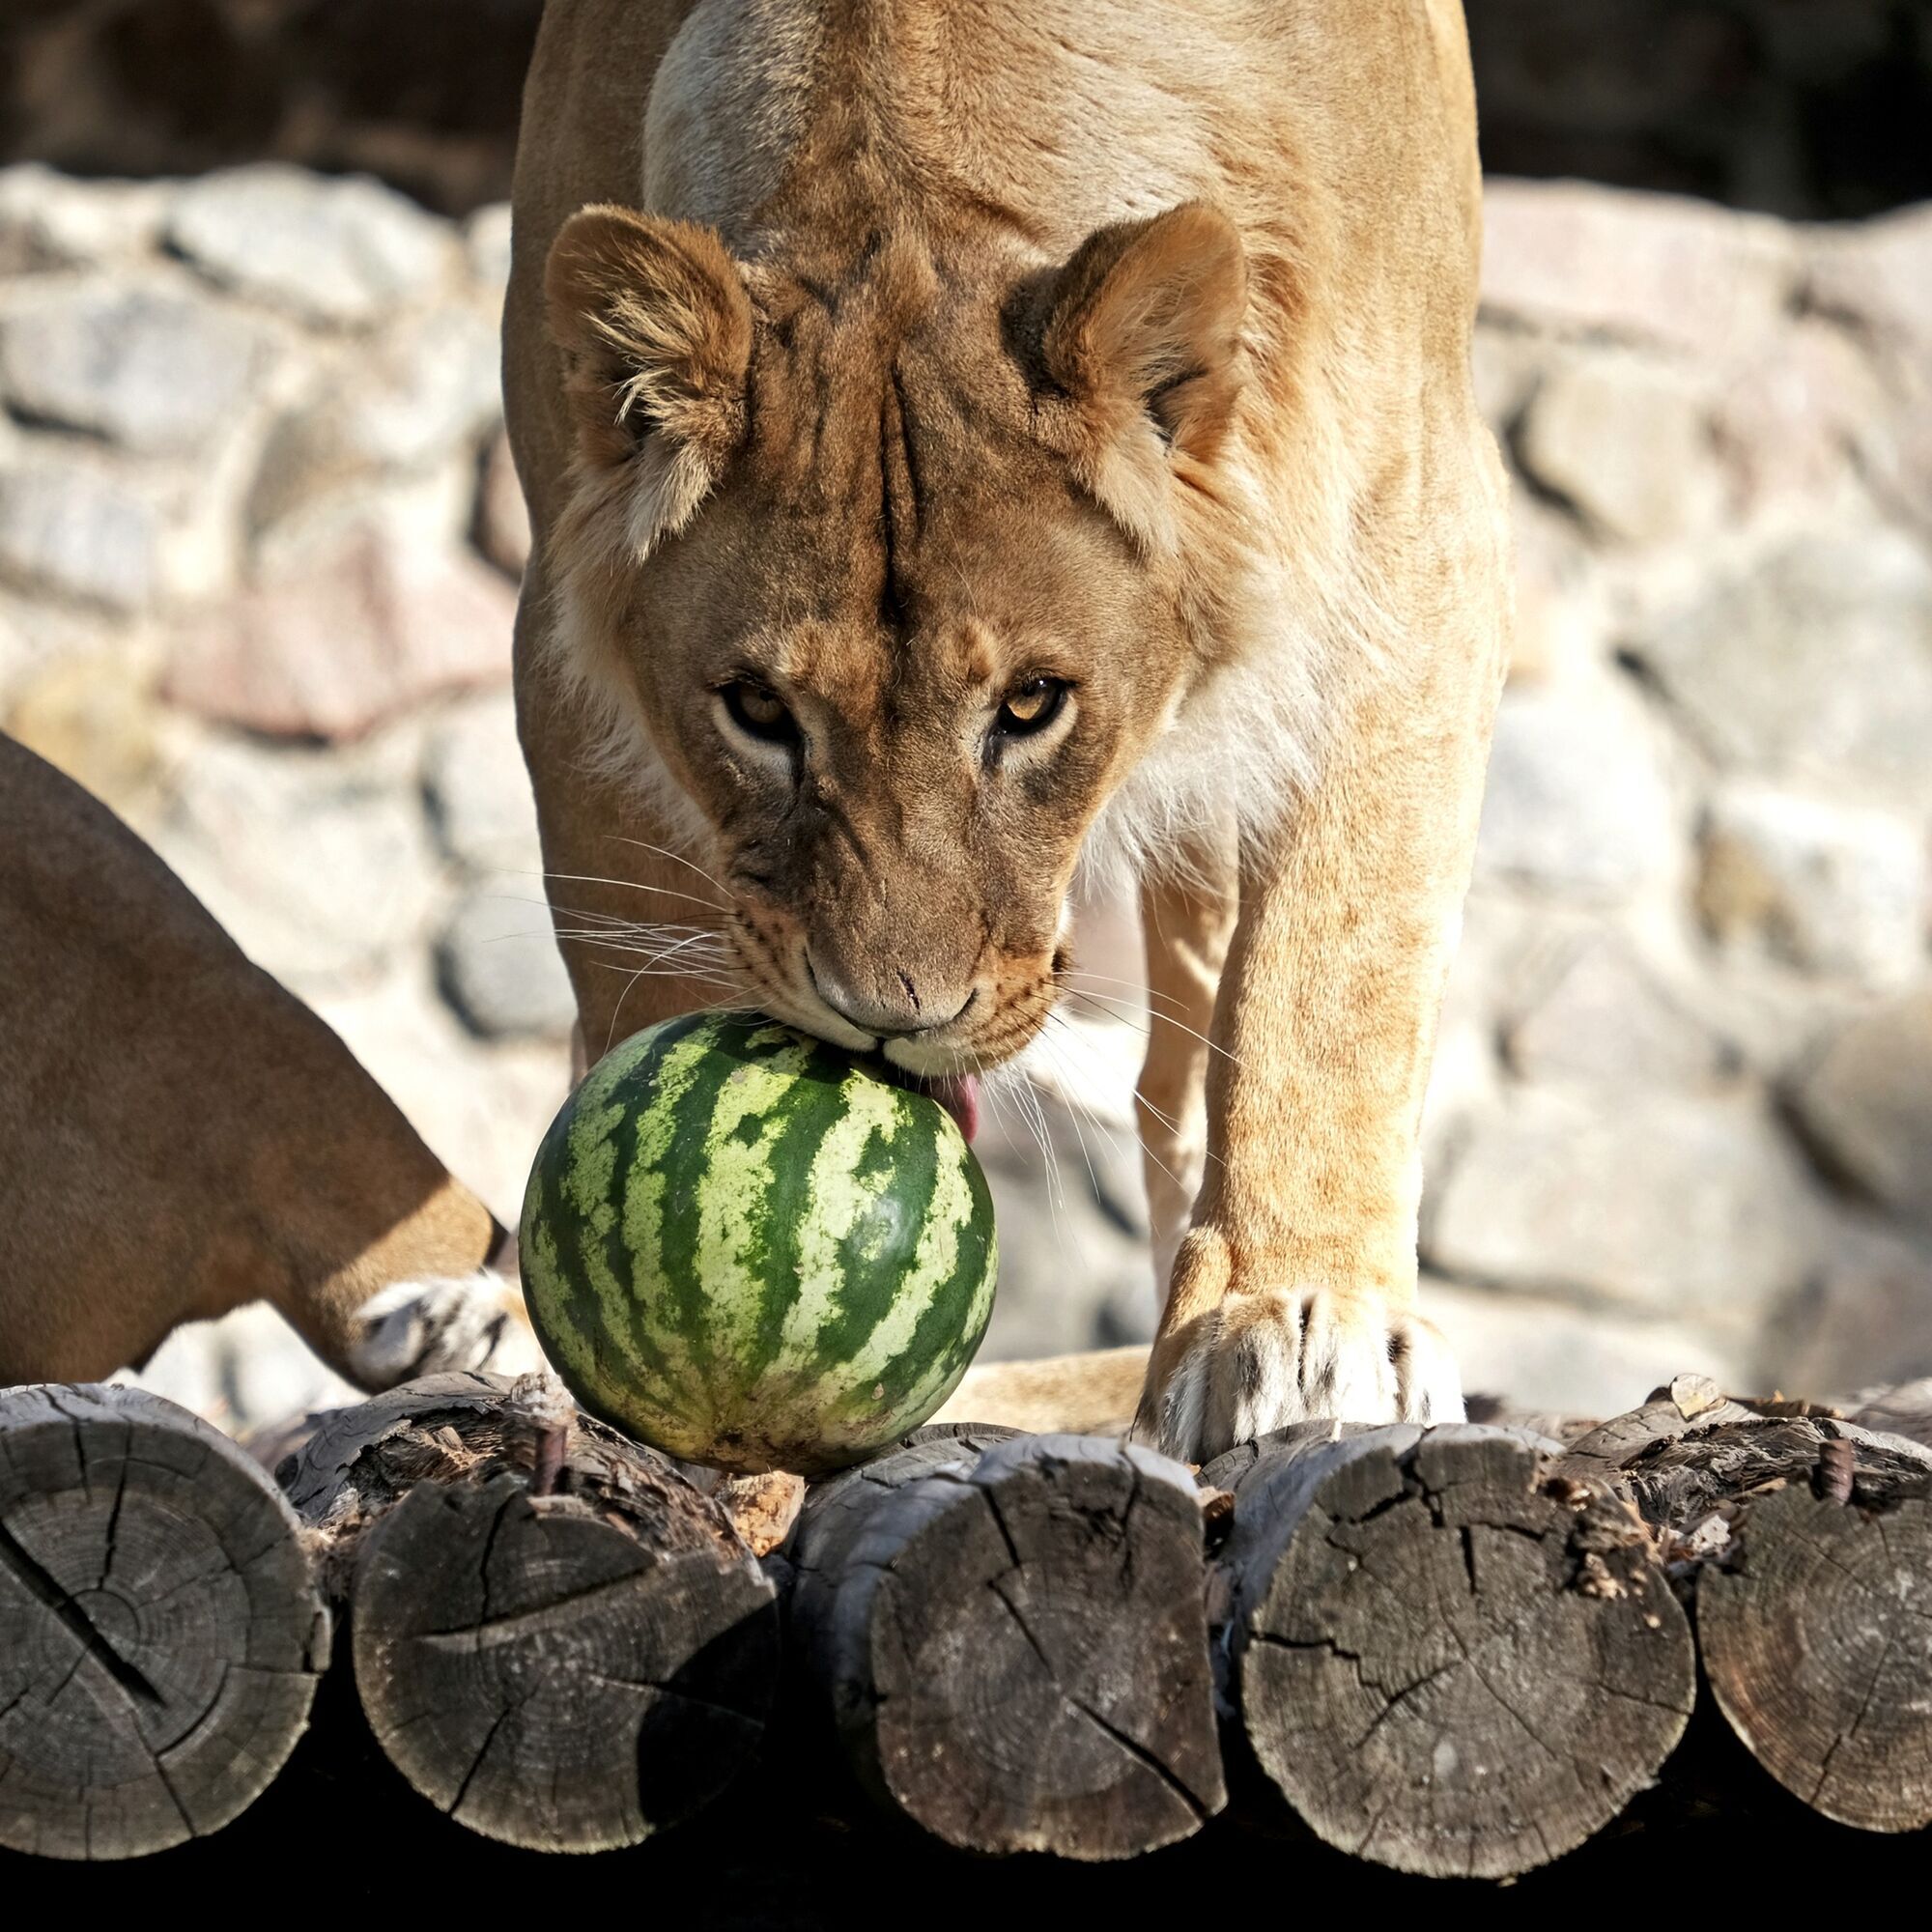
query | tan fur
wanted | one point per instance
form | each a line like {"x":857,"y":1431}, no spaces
{"x":180,"y":1135}
{"x":886,"y":354}
{"x":1089,"y":1395}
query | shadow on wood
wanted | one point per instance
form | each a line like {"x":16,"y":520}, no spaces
{"x":557,"y":1638}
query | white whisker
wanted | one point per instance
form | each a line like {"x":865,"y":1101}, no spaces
{"x":677,"y":859}
{"x":1100,"y":1000}
{"x":635,"y":886}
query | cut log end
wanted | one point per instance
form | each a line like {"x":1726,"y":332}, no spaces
{"x":1817,"y":1641}
{"x":160,"y":1635}
{"x":1449,"y":1661}
{"x":1013,"y":1642}
{"x":565,"y":1646}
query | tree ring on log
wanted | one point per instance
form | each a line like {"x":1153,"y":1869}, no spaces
{"x":567,"y":1672}
{"x":1817,"y":1641}
{"x":1013,"y":1642}
{"x":1448,"y":1661}
{"x":161,"y":1633}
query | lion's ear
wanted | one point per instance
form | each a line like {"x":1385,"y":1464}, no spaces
{"x":656,"y":322}
{"x":1143,"y":333}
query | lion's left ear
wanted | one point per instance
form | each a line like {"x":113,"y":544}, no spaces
{"x":656,"y":321}
{"x":1144,"y":334}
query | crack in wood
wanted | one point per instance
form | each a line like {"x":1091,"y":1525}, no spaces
{"x":41,"y":1584}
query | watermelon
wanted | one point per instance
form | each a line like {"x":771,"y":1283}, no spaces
{"x":748,"y":1248}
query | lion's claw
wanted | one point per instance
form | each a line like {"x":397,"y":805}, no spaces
{"x":1261,"y":1361}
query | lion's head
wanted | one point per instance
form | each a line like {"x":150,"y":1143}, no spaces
{"x":890,"y":562}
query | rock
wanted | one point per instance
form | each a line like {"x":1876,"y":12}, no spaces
{"x":1075,"y":1272}
{"x":1578,"y":804}
{"x":1865,"y":1318}
{"x":1878,"y":275}
{"x":478,"y":790}
{"x":502,"y":520}
{"x":1462,"y":1082}
{"x":37,"y":631}
{"x":1560,"y":619}
{"x":249,"y":1370}
{"x":1786,"y":419}
{"x":1505,"y":365}
{"x":1602,"y":1019}
{"x":363,"y":629}
{"x":498,"y":966}
{"x":1831,"y":888}
{"x":1590,"y":260}
{"x":1815,"y":660}
{"x":319,"y":867}
{"x":427,"y":391}
{"x":486,"y":246}
{"x":93,"y":717}
{"x":49,"y":221}
{"x":1558,"y":1359}
{"x":1894,"y":448}
{"x":329,"y":250}
{"x":1866,"y":1103}
{"x":73,"y":527}
{"x":481,"y":1105}
{"x":158,"y":373}
{"x":1670,"y":1205}
{"x":1627,"y":444}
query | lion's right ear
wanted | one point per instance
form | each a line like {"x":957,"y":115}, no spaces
{"x":656,"y":322}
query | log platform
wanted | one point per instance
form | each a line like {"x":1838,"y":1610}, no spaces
{"x":1521,"y":1647}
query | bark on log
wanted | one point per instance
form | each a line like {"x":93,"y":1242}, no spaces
{"x":1010,"y":1640}
{"x":1809,"y":1541}
{"x":557,"y":1638}
{"x":1447,"y":1658}
{"x":160,"y":1632}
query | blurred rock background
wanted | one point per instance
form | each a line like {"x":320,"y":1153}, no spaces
{"x":259,"y":544}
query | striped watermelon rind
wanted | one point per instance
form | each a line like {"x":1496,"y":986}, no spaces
{"x":748,"y":1249}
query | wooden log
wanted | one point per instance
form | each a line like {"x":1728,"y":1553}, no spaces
{"x":1447,"y":1658}
{"x":160,"y":1632}
{"x":1809,"y":1541}
{"x":556,"y":1639}
{"x":1009,"y":1636}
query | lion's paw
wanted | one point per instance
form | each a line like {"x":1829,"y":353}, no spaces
{"x":1261,"y":1361}
{"x":424,"y":1327}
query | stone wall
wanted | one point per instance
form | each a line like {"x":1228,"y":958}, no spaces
{"x":258,"y":549}
{"x":1803,"y":107}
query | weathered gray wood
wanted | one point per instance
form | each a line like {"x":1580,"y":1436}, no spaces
{"x":1446,"y":1656}
{"x":1905,"y":1410}
{"x":1817,"y":1641}
{"x":1009,"y":1639}
{"x":161,"y":1633}
{"x":1807,"y":1540}
{"x":557,"y":1638}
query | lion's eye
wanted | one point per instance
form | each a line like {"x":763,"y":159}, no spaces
{"x":759,"y":713}
{"x":1030,"y":707}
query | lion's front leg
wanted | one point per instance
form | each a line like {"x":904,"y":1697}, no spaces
{"x":1293,"y":1294}
{"x":1187,"y":917}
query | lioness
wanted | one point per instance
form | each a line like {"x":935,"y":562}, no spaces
{"x":178,"y":1134}
{"x":969,"y":440}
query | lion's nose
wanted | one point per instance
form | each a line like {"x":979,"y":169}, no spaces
{"x":889,"y":1018}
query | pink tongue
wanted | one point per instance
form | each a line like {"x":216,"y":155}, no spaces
{"x":959,"y":1095}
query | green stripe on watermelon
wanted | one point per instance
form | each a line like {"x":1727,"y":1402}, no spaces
{"x":749,"y":1248}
